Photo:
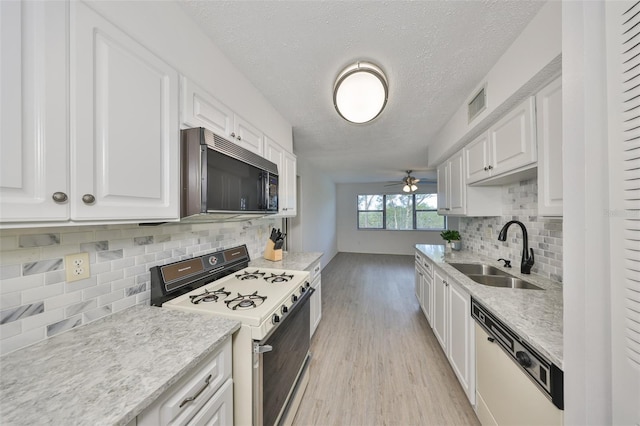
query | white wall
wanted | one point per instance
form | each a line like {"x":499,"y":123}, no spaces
{"x":531,"y":60}
{"x":314,"y":228}
{"x":165,"y":29}
{"x":351,"y":239}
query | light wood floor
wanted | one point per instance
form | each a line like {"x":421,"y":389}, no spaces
{"x":375,"y":360}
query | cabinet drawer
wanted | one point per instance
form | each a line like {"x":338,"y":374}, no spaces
{"x":218,"y":410}
{"x":187,"y":397}
{"x":315,"y":271}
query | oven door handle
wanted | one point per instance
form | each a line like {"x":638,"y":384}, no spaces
{"x":260,"y":349}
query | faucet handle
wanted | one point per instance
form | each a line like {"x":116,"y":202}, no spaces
{"x":507,"y":263}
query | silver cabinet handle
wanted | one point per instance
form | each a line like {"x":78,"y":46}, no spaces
{"x":426,"y":265}
{"x":233,"y":135}
{"x":192,"y":398}
{"x":490,"y":167}
{"x":59,"y":197}
{"x":239,"y":138}
{"x":486,"y":168}
{"x":88,"y":199}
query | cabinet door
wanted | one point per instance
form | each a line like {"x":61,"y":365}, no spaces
{"x":33,"y":111}
{"x":124,"y":121}
{"x":427,"y":296}
{"x":247,"y":135}
{"x":512,"y":139}
{"x":549,"y":133}
{"x":443,"y":188}
{"x":440,"y":308}
{"x":418,"y":284}
{"x":289,"y":199}
{"x":476,"y":159}
{"x":457,"y":185}
{"x":200,"y":109}
{"x":316,"y":305}
{"x":460,"y":338}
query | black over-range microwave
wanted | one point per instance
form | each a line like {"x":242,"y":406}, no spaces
{"x":222,"y":180}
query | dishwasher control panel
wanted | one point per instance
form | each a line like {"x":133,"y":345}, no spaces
{"x":548,"y":377}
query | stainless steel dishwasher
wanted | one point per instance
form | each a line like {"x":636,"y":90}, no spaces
{"x":516,"y":385}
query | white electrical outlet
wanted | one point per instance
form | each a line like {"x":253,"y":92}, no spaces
{"x":77,"y":266}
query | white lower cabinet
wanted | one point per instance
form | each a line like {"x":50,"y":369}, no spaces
{"x":202,"y":397}
{"x":315,"y":307}
{"x":452,"y":326}
{"x":424,"y":284}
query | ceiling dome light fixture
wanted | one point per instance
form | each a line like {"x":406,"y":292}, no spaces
{"x":360,"y":92}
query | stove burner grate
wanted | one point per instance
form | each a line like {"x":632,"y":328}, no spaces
{"x":245,"y":301}
{"x":279,"y":278}
{"x":209,"y":296}
{"x":250,"y":275}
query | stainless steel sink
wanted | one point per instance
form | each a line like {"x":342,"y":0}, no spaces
{"x":478,"y":269}
{"x":503,"y":281}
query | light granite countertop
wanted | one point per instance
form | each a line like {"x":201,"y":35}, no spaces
{"x":106,"y":372}
{"x":295,"y":261}
{"x":536,"y":315}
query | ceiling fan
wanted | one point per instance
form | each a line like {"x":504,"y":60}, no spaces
{"x":409,"y":183}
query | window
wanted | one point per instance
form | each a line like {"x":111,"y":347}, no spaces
{"x":400,"y":212}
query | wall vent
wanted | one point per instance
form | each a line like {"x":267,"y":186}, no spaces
{"x":477,"y":104}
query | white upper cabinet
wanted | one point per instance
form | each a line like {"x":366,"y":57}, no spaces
{"x":549,"y":125}
{"x":247,"y":135}
{"x":124,"y":125}
{"x":286,"y":163}
{"x":201,"y":109}
{"x":451,"y":186}
{"x":509,"y":147}
{"x":34,"y":159}
{"x":456,"y":198}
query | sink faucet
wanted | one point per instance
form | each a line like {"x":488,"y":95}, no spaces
{"x":527,"y":261}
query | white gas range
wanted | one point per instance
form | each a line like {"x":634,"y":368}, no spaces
{"x":271,"y":304}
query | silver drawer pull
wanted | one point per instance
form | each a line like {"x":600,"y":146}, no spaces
{"x":192,"y":398}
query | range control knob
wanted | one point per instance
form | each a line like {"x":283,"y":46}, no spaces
{"x":306,"y":284}
{"x":523,"y":359}
{"x":302,"y":289}
{"x":284,"y":309}
{"x":275,"y":319}
{"x":213,"y":260}
{"x":294,"y":298}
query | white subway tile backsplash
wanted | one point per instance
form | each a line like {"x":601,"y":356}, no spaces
{"x":107,"y":277}
{"x":10,"y":329}
{"x":38,"y":240}
{"x":41,"y":293}
{"x":43,"y":319}
{"x":21,"y":283}
{"x":120,"y":258}
{"x":63,"y":300}
{"x":121,"y":304}
{"x":96,"y":313}
{"x":10,"y":300}
{"x":545,"y":234}
{"x":21,"y":340}
{"x":64,"y":325}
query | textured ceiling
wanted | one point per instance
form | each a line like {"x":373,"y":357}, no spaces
{"x":434,"y":53}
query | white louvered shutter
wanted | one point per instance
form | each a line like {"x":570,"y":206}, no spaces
{"x":623,"y":49}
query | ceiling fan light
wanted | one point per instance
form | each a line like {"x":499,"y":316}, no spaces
{"x":406,"y":188}
{"x":360,"y":92}
{"x":414,"y":188}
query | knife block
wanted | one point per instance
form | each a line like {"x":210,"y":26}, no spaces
{"x":270,"y":253}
